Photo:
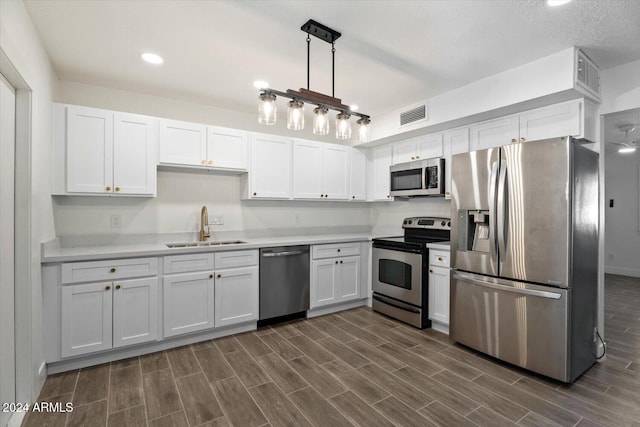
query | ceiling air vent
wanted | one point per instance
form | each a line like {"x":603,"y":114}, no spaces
{"x":413,"y":115}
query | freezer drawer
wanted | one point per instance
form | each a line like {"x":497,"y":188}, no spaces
{"x":520,"y":323}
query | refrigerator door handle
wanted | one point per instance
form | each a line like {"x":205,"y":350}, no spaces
{"x":493,"y":183}
{"x":502,"y":207}
{"x":477,"y":281}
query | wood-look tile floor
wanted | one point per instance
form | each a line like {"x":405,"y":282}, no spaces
{"x":353,"y":368}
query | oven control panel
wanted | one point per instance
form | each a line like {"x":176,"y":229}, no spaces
{"x":427,"y":222}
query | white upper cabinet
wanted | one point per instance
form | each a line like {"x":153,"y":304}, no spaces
{"x":335,"y":171}
{"x":183,"y":143}
{"x":307,"y":170}
{"x":108,"y":153}
{"x":358,"y":174}
{"x":382,"y":160}
{"x":555,"y":120}
{"x":320,"y":171}
{"x":193,"y":144}
{"x":494,"y":133}
{"x":226,"y":148}
{"x":456,"y":141}
{"x":419,"y":148}
{"x":270,"y":175}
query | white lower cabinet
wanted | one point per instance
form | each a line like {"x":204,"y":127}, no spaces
{"x":100,"y":316}
{"x":334,"y":280}
{"x":236,"y":296}
{"x":188,"y":302}
{"x":439,"y":289}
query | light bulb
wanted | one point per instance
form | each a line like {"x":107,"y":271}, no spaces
{"x":364,"y":134}
{"x":295,"y":115}
{"x":267,"y":109}
{"x":626,"y":150}
{"x":343,"y":126}
{"x":320,"y":121}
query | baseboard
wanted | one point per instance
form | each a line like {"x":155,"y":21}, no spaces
{"x":622,"y":271}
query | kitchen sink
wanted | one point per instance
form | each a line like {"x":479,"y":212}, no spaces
{"x":204,"y":244}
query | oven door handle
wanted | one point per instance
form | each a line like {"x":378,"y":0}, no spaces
{"x":396,"y":304}
{"x":394,"y":248}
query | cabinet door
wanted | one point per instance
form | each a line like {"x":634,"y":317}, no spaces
{"x":270,"y":174}
{"x":494,"y":133}
{"x":336,"y":171}
{"x":324,"y":282}
{"x":236,"y":295}
{"x":183,"y":143}
{"x":307,"y":170}
{"x":188,"y":303}
{"x":439,"y":294}
{"x":556,"y":120}
{"x":382,"y":158}
{"x":89,"y":150}
{"x":134,"y":154}
{"x":404,"y":151}
{"x":226,"y":148}
{"x":429,"y":146}
{"x":135,"y":311}
{"x":86,"y":318}
{"x":358,"y":175}
{"x":349,"y":278}
{"x":456,"y":141}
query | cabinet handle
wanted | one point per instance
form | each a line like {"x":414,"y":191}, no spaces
{"x":447,"y":193}
{"x":112,"y":270}
{"x":388,"y":196}
{"x":336,"y":261}
{"x":219,"y":276}
{"x":255,"y":194}
{"x":579,"y":69}
{"x":522,"y":140}
{"x":417,"y":157}
{"x":117,"y":286}
{"x":210,"y":162}
{"x":353,"y":197}
{"x":340,"y":261}
{"x":117,"y":188}
{"x":439,"y":258}
{"x":107,"y":288}
{"x":513,"y":140}
{"x":413,"y":158}
{"x":338,"y":250}
{"x":107,"y":188}
{"x":580,"y":60}
{"x":430,"y":271}
{"x":211,"y":276}
{"x":204,"y":162}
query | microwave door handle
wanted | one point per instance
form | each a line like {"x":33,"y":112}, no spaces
{"x":502,"y":207}
{"x":493,"y":183}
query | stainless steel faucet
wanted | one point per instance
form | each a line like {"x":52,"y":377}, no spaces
{"x":204,"y":222}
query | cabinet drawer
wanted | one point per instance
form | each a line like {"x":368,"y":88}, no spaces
{"x":188,"y":263}
{"x":439,"y":258}
{"x":236,"y":259}
{"x":75,"y":272}
{"x":335,"y":250}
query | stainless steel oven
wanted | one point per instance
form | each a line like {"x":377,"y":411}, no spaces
{"x":399,"y":271}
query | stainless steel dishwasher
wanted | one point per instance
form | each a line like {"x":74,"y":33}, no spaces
{"x":284,"y":281}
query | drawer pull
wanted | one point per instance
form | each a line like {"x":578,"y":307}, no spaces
{"x":219,"y":276}
{"x":107,"y":288}
{"x":117,"y":286}
{"x":336,"y":261}
{"x":338,"y":250}
{"x":107,"y":188}
{"x":340,"y":261}
{"x":430,"y":271}
{"x":117,"y":188}
{"x":439,"y":258}
{"x":211,"y":276}
{"x":112,"y":270}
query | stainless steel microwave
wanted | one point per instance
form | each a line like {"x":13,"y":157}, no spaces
{"x":419,"y":178}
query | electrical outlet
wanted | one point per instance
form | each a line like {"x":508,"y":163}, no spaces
{"x":297,"y":219}
{"x":116,"y":221}
{"x":216,"y":219}
{"x":610,"y":255}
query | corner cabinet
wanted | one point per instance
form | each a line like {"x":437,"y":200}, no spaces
{"x":101,"y":152}
{"x":335,"y":274}
{"x":382,"y":160}
{"x":358,"y":181}
{"x":113,"y":312}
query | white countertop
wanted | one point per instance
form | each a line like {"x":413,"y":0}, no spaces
{"x":54,"y":251}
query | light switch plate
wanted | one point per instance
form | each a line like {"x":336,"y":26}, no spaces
{"x":216,"y":219}
{"x":116,"y":221}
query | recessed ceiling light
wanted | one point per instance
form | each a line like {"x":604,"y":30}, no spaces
{"x":354,"y":107}
{"x":626,"y":150}
{"x":152,"y":58}
{"x":554,"y":3}
{"x":260,"y":84}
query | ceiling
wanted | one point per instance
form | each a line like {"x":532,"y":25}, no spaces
{"x":391,"y":53}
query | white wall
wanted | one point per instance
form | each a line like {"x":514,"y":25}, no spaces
{"x":622,"y":222}
{"x":21,"y":45}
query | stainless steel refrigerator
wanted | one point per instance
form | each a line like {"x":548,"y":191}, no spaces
{"x":524,"y":254}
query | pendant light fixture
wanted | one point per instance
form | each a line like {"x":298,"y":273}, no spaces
{"x":324,"y":103}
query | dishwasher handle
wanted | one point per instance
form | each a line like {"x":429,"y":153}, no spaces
{"x":283,"y":253}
